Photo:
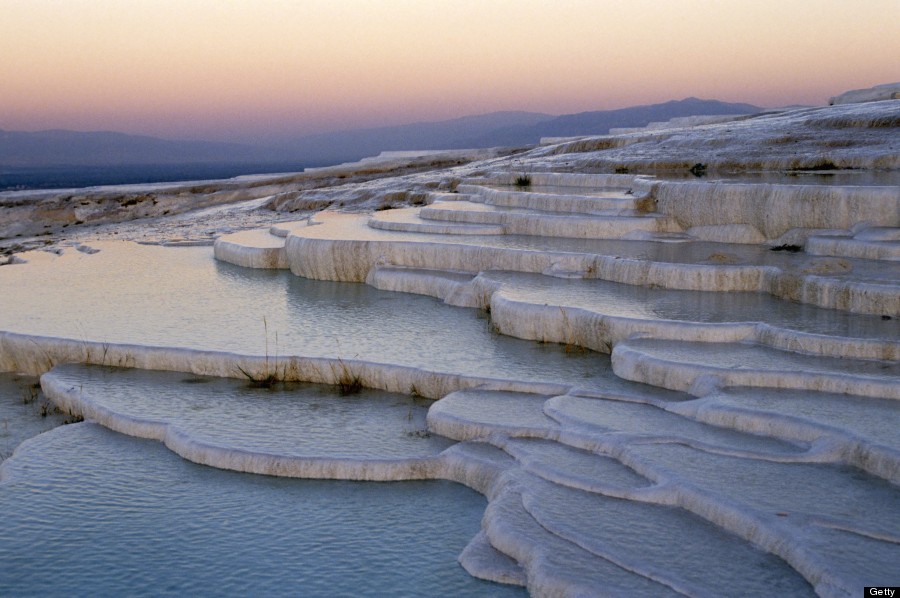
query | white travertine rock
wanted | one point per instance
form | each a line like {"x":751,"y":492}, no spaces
{"x":824,"y":139}
{"x":574,"y":200}
{"x":36,"y":355}
{"x":677,"y":365}
{"x":774,"y":209}
{"x":727,"y":233}
{"x":283,"y":229}
{"x":673,"y":123}
{"x":344,"y":248}
{"x":484,"y":561}
{"x":876,"y":243}
{"x":252,"y":249}
{"x":887,"y":91}
{"x":617,"y":224}
{"x":839,"y":427}
{"x":453,"y":288}
{"x":407,"y":220}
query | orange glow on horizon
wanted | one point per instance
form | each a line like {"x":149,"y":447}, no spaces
{"x":246,"y":70}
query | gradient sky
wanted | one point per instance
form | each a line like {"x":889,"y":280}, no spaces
{"x":261,"y":69}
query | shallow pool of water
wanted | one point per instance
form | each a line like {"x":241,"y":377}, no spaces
{"x":124,"y":516}
{"x":692,"y":306}
{"x":876,"y":420}
{"x":182,"y":297}
{"x":293,"y":420}
{"x":24,"y":412}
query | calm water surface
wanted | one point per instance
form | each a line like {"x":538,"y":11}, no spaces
{"x":88,"y":512}
{"x":182,"y":297}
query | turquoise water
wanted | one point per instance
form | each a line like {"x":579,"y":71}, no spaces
{"x":88,"y":512}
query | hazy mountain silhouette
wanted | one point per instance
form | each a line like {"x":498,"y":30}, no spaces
{"x":446,"y":134}
{"x":600,"y":122}
{"x":74,"y":148}
{"x":59,"y":147}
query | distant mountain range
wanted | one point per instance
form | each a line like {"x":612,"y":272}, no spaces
{"x":601,"y":121}
{"x":69,"y":148}
{"x":448,"y":134}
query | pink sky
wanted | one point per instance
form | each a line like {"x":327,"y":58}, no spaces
{"x":261,"y":69}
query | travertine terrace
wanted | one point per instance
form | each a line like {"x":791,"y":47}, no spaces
{"x":747,"y":322}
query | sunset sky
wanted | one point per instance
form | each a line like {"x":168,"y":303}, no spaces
{"x":258,"y":70}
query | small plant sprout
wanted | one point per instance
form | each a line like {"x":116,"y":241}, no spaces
{"x":269,"y":378}
{"x":31,"y":393}
{"x":345,"y":379}
{"x":523,"y":179}
{"x":698,"y":170}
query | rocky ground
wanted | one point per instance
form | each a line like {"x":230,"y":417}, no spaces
{"x":197,"y":212}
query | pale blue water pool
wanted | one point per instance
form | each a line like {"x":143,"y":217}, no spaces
{"x":88,"y":512}
{"x":293,"y":420}
{"x":24,"y":412}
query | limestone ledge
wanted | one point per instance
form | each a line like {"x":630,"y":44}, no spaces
{"x":458,"y":420}
{"x":594,"y":329}
{"x":678,"y":366}
{"x":36,"y":355}
{"x":345,"y":248}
